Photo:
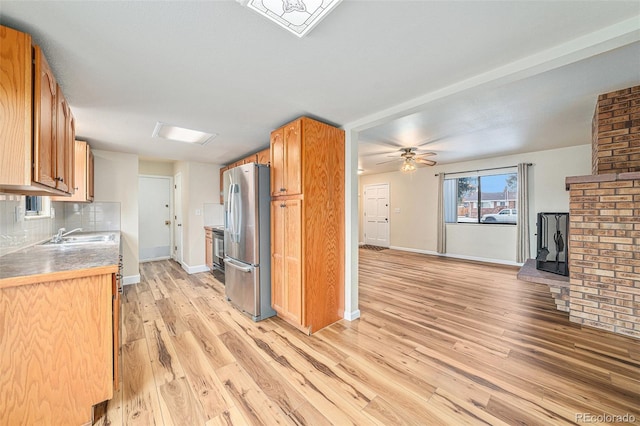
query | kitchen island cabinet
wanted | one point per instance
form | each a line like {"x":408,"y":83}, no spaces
{"x":307,"y":224}
{"x":59,"y":343}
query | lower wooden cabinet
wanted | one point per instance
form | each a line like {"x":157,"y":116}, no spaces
{"x":208,"y":247}
{"x":287,"y":285}
{"x":58,"y":348}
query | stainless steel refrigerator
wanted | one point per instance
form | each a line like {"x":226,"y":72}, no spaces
{"x":247,"y":242}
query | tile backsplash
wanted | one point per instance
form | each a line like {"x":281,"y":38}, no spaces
{"x":17,"y":232}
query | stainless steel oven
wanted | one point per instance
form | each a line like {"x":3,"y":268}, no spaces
{"x":218,"y":253}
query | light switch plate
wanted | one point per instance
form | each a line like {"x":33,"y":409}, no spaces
{"x":198,"y":212}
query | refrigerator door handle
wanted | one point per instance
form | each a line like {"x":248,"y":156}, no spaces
{"x":239,"y":224}
{"x":238,"y":265}
{"x":236,"y":213}
{"x":230,"y":198}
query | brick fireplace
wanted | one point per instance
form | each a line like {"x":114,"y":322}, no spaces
{"x":604,"y":244}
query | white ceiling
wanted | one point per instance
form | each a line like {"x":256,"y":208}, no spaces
{"x":219,"y":67}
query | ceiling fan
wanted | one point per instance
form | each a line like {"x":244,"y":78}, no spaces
{"x":410,"y":158}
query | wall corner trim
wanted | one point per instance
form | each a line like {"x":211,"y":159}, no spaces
{"x":350,"y":316}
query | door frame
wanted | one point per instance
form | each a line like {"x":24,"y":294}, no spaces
{"x":364,"y":211}
{"x":171,"y":207}
{"x":178,"y":253}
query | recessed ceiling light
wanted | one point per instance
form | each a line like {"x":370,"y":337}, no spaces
{"x":297,"y":16}
{"x":181,"y":134}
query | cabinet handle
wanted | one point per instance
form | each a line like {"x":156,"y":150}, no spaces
{"x":283,"y":205}
{"x":283,"y":189}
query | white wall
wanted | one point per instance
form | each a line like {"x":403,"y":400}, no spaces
{"x":200,"y":186}
{"x":116,"y":180}
{"x":416,"y":195}
{"x":155,"y":167}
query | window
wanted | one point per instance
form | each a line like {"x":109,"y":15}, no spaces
{"x":35,"y":206}
{"x":495,"y":194}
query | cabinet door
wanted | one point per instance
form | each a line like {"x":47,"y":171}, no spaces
{"x":208,"y":248}
{"x":253,"y":158}
{"x":16,"y":84}
{"x":293,"y":158}
{"x":293,"y":260}
{"x":45,"y":106}
{"x":277,"y":162}
{"x":116,"y":331}
{"x":263,"y":156}
{"x":64,"y":145}
{"x":222,"y":170}
{"x":80,"y":166}
{"x":278,"y":284}
{"x":89,"y":174}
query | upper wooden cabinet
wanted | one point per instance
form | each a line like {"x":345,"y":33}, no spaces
{"x":36,"y":135}
{"x":286,"y":160}
{"x":307,"y":224}
{"x":263,"y":157}
{"x":65,"y":145}
{"x":83,"y":172}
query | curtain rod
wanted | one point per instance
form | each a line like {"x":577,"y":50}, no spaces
{"x":482,"y":170}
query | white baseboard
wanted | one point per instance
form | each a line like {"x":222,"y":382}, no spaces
{"x":350,"y":316}
{"x":194,"y":269}
{"x":154,"y":259}
{"x":459,"y":256}
{"x":131,"y":279}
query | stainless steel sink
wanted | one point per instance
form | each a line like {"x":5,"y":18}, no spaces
{"x":84,"y":239}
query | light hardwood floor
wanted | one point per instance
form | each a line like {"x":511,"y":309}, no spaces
{"x":440,"y":341}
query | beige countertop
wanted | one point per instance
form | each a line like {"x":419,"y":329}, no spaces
{"x":52,"y":262}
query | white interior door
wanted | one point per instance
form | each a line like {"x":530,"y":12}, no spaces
{"x":376,"y":214}
{"x":154,"y":225}
{"x":177,"y":218}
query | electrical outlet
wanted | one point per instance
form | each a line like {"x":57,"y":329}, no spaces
{"x":396,"y":210}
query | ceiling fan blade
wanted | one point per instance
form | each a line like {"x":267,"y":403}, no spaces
{"x":386,"y":143}
{"x":426,"y":154}
{"x":426,"y":162}
{"x":389,"y":161}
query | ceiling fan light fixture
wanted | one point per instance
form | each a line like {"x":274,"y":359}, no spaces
{"x":408,"y":166}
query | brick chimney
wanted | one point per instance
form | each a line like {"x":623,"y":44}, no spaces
{"x":604,"y":244}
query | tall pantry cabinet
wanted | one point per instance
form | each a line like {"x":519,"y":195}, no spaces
{"x":307,"y":223}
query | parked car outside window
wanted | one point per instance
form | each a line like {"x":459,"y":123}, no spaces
{"x":503,"y":216}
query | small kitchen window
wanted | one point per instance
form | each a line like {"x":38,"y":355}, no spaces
{"x":36,"y":207}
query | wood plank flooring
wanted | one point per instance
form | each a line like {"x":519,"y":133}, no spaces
{"x":440,"y":341}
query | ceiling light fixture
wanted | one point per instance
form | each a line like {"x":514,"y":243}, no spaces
{"x":181,"y":134}
{"x":297,"y":16}
{"x":408,"y":166}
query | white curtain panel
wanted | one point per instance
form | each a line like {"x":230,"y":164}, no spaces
{"x":442,"y":229}
{"x":522,"y":228}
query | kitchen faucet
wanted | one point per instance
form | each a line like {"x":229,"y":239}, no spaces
{"x":60,"y":234}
